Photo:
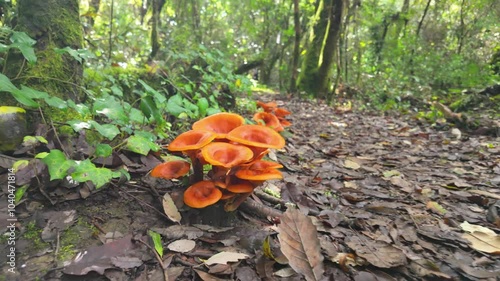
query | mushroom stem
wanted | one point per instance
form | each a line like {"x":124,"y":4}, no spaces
{"x":233,"y":203}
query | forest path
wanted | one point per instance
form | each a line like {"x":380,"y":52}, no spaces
{"x":388,"y":196}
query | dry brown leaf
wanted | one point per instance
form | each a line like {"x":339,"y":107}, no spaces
{"x":436,"y":208}
{"x":378,"y":253}
{"x":225,"y":257}
{"x":207,"y":276}
{"x":170,"y":208}
{"x":483,"y":239}
{"x":485,"y":193}
{"x":182,"y":245}
{"x":300,"y":244}
{"x":351,"y":165}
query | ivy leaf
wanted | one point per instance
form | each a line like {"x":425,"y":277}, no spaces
{"x":159,"y":97}
{"x":202,"y":106}
{"x":58,"y":164}
{"x":80,"y":108}
{"x":87,"y":171}
{"x":103,"y":150}
{"x":111,"y":108}
{"x":149,"y":108}
{"x":78,"y":125}
{"x":19,"y":95}
{"x":56,"y":102}
{"x":141,"y":145}
{"x":136,"y":116}
{"x":108,"y":131}
{"x":25,"y":44}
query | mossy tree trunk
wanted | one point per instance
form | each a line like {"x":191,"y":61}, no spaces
{"x":324,"y":35}
{"x":53,"y":24}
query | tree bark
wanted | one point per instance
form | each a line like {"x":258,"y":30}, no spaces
{"x":296,"y":47}
{"x":317,"y":68}
{"x":54,"y":24}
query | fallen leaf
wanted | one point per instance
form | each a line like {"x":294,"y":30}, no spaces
{"x":182,"y":246}
{"x":170,"y":208}
{"x":207,"y":276}
{"x":225,"y":257}
{"x":483,"y":239}
{"x":99,"y":258}
{"x":485,"y":193}
{"x":351,"y":165}
{"x":378,"y":253}
{"x":300,"y":244}
{"x":436,"y":208}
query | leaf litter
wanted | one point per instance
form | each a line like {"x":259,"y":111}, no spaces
{"x":378,"y":198}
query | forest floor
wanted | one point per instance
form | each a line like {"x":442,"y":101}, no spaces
{"x":392,"y":199}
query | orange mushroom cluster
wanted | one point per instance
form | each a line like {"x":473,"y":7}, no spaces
{"x":272,"y":116}
{"x":234,"y":151}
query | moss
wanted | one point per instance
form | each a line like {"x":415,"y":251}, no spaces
{"x":73,"y":238}
{"x":33,"y":234}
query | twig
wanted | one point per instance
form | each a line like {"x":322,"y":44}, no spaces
{"x":266,"y":197}
{"x":165,"y":273}
{"x":263,"y":211}
{"x":58,"y":139}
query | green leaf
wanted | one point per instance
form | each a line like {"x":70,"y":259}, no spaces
{"x":25,"y":44}
{"x":116,"y":91}
{"x":149,"y":108}
{"x":41,"y":155}
{"x":202,"y":106}
{"x":147,"y":135}
{"x":20,"y":164}
{"x":82,"y":109}
{"x":56,"y":102}
{"x":103,"y":150}
{"x":41,"y":139}
{"x":78,"y":125}
{"x":141,"y":145}
{"x":87,"y":171}
{"x":157,"y":242}
{"x":136,"y":116}
{"x":110,"y":107}
{"x":6,"y":85}
{"x":108,"y":131}
{"x":58,"y":164}
{"x":20,"y":191}
{"x":71,"y":52}
{"x":159,"y":97}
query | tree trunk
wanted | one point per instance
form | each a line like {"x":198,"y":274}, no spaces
{"x":324,"y":35}
{"x":296,"y":47}
{"x":54,"y":24}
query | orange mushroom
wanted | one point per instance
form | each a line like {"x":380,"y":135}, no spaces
{"x":264,"y":165}
{"x":258,"y":175}
{"x":202,"y":194}
{"x":240,"y":186}
{"x":171,"y":170}
{"x":256,"y":135}
{"x":191,"y":140}
{"x":269,"y":120}
{"x":189,"y":143}
{"x":220,"y":123}
{"x":284,"y":122}
{"x":268,"y":107}
{"x":226,"y":154}
{"x":281,"y":112}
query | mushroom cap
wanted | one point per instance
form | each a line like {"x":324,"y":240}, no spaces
{"x":264,"y":165}
{"x":258,"y":175}
{"x":171,"y":170}
{"x":268,"y":107}
{"x":281,"y":112}
{"x":191,"y":140}
{"x":269,"y":120}
{"x":256,"y":135}
{"x":226,"y":154}
{"x":202,"y":194}
{"x":284,"y":122}
{"x":219,"y":123}
{"x":240,"y":186}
